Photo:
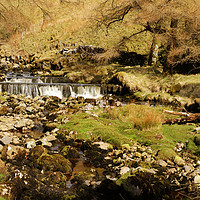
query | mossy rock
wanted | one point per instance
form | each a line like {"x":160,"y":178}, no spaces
{"x":83,"y":176}
{"x":175,"y":88}
{"x":179,"y":161}
{"x":69,"y":197}
{"x":70,"y":152}
{"x":55,"y":178}
{"x":197,"y":139}
{"x":36,"y":152}
{"x":54,"y":163}
{"x":4,"y":110}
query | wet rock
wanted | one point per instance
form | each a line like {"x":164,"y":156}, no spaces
{"x":70,"y":152}
{"x":11,"y":152}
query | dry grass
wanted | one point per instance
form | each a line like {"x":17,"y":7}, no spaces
{"x":142,"y":117}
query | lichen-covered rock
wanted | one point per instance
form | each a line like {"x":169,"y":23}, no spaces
{"x":70,"y":152}
{"x":55,"y":178}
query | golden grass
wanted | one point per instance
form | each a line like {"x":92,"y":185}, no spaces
{"x":142,"y":116}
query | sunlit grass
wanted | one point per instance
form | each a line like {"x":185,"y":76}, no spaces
{"x":128,"y":125}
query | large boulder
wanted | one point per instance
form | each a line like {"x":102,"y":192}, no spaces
{"x":54,"y":163}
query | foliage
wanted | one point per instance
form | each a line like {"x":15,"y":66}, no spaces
{"x":174,"y":25}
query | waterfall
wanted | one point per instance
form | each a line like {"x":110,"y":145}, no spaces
{"x":31,"y":86}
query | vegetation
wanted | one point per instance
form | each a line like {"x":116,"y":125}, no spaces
{"x":128,"y":125}
{"x":38,"y":26}
{"x":171,"y":27}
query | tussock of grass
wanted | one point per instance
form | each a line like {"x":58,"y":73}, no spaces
{"x":142,"y":116}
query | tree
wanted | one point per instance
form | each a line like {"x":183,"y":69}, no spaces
{"x":17,"y":15}
{"x":174,"y":25}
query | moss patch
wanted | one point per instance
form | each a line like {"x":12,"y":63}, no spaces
{"x":117,"y":127}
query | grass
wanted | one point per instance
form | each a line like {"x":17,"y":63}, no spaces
{"x":128,"y":125}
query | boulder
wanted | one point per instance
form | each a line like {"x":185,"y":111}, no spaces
{"x":70,"y":152}
{"x":55,"y":162}
{"x":103,"y":145}
{"x":11,"y":152}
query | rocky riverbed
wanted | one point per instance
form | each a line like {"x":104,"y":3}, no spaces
{"x":41,"y":161}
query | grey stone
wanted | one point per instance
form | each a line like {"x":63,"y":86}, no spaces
{"x":197,"y":180}
{"x":6,"y":139}
{"x":124,"y":170}
{"x":162,"y":163}
{"x":103,"y":145}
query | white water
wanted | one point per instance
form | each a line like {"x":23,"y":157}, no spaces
{"x":32,"y":87}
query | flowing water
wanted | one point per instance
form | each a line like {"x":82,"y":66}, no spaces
{"x":32,"y":86}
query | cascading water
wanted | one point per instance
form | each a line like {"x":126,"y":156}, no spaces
{"x":32,"y":86}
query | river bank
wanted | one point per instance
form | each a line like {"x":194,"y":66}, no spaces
{"x":46,"y":160}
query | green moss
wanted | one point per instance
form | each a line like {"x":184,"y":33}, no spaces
{"x":122,"y":179}
{"x":54,"y":162}
{"x":69,"y":197}
{"x":118,"y":129}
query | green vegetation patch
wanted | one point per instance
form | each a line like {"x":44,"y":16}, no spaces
{"x":128,"y":125}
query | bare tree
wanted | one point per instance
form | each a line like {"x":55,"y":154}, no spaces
{"x":175,"y":24}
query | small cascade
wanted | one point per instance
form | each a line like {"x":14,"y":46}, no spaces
{"x":32,"y":86}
